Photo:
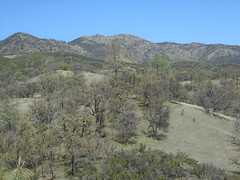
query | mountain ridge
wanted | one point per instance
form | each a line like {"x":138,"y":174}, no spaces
{"x":23,"y":43}
{"x":133,"y":48}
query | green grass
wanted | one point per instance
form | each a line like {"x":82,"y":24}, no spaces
{"x":55,"y":58}
{"x":92,"y":77}
{"x":6,"y":62}
{"x":207,"y":139}
{"x":22,"y":105}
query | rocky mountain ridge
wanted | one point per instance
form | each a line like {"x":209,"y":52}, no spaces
{"x":22,"y":43}
{"x":133,"y":48}
{"x":214,"y":53}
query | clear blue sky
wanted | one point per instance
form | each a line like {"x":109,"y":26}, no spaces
{"x":181,"y":21}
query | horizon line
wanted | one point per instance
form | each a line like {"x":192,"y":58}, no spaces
{"x":97,"y":34}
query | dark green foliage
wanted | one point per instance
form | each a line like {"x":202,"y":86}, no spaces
{"x":36,"y":63}
{"x":211,"y":172}
{"x":8,"y":117}
{"x":74,"y":128}
{"x":71,"y":129}
{"x":20,"y":173}
{"x":150,"y":165}
{"x":160,"y":63}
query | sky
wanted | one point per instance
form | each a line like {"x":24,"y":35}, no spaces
{"x":180,"y":21}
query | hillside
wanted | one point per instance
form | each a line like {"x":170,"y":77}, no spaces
{"x":22,"y":43}
{"x":90,"y":121}
{"x":213,"y":53}
{"x":140,"y":50}
{"x":205,"y":139}
{"x":52,"y":60}
{"x":133,"y":49}
{"x":202,"y":136}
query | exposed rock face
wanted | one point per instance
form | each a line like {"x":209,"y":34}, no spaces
{"x":133,"y":49}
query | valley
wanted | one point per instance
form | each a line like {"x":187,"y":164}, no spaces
{"x":118,"y":107}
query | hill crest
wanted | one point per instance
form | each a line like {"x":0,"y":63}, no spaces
{"x":133,"y":48}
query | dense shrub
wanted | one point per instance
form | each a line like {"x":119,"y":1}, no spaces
{"x":153,"y":164}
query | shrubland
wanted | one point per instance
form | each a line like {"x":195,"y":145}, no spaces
{"x":91,"y":130}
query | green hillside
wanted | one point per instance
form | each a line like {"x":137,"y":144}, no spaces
{"x":67,"y":116}
{"x":52,"y":58}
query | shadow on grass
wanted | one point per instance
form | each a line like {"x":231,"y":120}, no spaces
{"x":158,"y":137}
{"x":131,"y":142}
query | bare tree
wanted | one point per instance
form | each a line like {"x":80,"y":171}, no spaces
{"x":151,"y":88}
{"x":212,"y":98}
{"x":126,"y":122}
{"x":43,"y":111}
{"x":96,"y":104}
{"x":236,"y":141}
{"x":158,"y":118}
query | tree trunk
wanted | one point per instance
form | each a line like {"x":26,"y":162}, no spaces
{"x":116,"y":72}
{"x":51,"y":165}
{"x":73,"y":164}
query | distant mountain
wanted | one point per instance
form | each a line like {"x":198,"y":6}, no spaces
{"x":22,"y":43}
{"x":138,"y":50}
{"x":133,"y":49}
{"x":213,"y":53}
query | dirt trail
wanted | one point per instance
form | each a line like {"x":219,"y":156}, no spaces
{"x":201,"y":108}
